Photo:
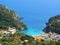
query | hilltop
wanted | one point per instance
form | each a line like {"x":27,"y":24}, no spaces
{"x":53,"y":25}
{"x":9,"y":18}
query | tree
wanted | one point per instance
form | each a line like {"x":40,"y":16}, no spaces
{"x":53,"y":25}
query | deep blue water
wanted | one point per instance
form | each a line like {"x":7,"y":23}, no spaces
{"x":35,"y":12}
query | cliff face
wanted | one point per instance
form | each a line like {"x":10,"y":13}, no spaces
{"x":53,"y":25}
{"x":9,"y":18}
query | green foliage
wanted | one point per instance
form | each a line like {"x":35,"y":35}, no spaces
{"x":9,"y":18}
{"x":26,"y":37}
{"x":14,"y":40}
{"x":53,"y":25}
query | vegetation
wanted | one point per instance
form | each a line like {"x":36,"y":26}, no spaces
{"x":53,"y":25}
{"x":17,"y":39}
{"x":9,"y":18}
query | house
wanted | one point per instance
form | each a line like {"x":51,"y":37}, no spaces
{"x":6,"y":32}
{"x":26,"y":41}
{"x":51,"y":36}
{"x":9,"y":31}
{"x":12,"y":30}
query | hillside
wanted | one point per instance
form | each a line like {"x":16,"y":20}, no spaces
{"x":53,"y":25}
{"x":9,"y":18}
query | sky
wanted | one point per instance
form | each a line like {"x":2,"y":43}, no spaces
{"x":35,"y":12}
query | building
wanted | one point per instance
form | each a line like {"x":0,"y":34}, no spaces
{"x":12,"y":30}
{"x":51,"y":36}
{"x":9,"y":31}
{"x":6,"y":32}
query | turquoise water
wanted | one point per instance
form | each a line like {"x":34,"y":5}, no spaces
{"x":32,"y":32}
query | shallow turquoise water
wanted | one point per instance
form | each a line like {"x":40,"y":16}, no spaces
{"x":32,"y":32}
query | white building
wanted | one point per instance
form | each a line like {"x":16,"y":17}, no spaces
{"x":12,"y":30}
{"x":6,"y":32}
